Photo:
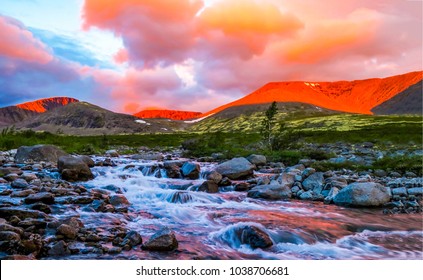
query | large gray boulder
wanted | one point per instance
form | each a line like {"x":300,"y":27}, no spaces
{"x":39,"y":153}
{"x":257,"y":160}
{"x":74,"y":169}
{"x":314,"y":182}
{"x":236,"y":168}
{"x":271,"y":192}
{"x":164,"y":240}
{"x":368,"y":194}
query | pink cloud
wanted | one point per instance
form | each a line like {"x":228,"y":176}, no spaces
{"x":19,"y":43}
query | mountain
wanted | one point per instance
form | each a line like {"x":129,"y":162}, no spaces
{"x":13,"y":114}
{"x":167,"y":114}
{"x":407,"y":102}
{"x":359,"y":96}
{"x":83,"y":118}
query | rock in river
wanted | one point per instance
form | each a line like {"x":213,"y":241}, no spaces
{"x":164,"y":240}
{"x":74,"y":169}
{"x":272,"y":192}
{"x":363,"y":194}
{"x":236,"y":168}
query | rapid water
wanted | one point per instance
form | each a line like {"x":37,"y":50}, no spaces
{"x":205,"y":224}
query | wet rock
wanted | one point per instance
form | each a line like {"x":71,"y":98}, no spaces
{"x":43,"y":197}
{"x":416,"y":191}
{"x":11,"y":177}
{"x":307,"y":195}
{"x":89,"y":161}
{"x":236,"y":168}
{"x":332,"y":193}
{"x":67,"y":231}
{"x":112,"y":153}
{"x":399,"y":191}
{"x":191,"y":170}
{"x":164,"y":240}
{"x":41,"y":207}
{"x":173,"y":169}
{"x":314,"y":182}
{"x":9,"y":236}
{"x":253,"y":236}
{"x":58,"y":249}
{"x":19,"y":184}
{"x":207,"y":186}
{"x":8,"y":212}
{"x":23,"y":193}
{"x":82,"y":200}
{"x":7,"y":227}
{"x":225,"y":182}
{"x":271,"y":192}
{"x":257,"y":160}
{"x":242,"y":187}
{"x":214,"y":176}
{"x":180,"y":197}
{"x":308,"y":172}
{"x":32,"y":245}
{"x":39,"y":153}
{"x":367,"y":194}
{"x":131,"y":239}
{"x":74,"y":169}
{"x":98,"y":205}
{"x":119,"y":200}
{"x":35,"y":223}
{"x":114,"y":250}
{"x":29,"y":177}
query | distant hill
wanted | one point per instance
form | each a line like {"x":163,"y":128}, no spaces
{"x":407,"y":102}
{"x":83,"y":118}
{"x":13,"y":114}
{"x":167,"y":114}
{"x":359,"y":96}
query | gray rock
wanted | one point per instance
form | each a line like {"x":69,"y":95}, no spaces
{"x":149,"y":156}
{"x":191,"y":170}
{"x":271,"y":192}
{"x":332,"y":193}
{"x":236,"y":168}
{"x":214,"y":176}
{"x":409,"y":174}
{"x":58,"y":249}
{"x":43,"y":197}
{"x":19,"y":184}
{"x":173,"y":169}
{"x":39,"y":153}
{"x":254,"y":237}
{"x":307,"y":172}
{"x":112,"y":153}
{"x":367,"y":194}
{"x":242,"y":187}
{"x":257,"y":160}
{"x":164,"y":240}
{"x":308,"y":195}
{"x":286,"y":178}
{"x":74,"y":169}
{"x":380,"y":173}
{"x":416,"y":191}
{"x":399,"y":191}
{"x":89,"y":161}
{"x":314,"y":182}
{"x":131,"y":239}
{"x":8,"y":212}
{"x":394,"y":174}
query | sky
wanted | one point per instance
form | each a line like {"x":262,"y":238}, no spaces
{"x":130,"y":55}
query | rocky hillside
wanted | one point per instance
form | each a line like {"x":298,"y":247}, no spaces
{"x":407,"y":102}
{"x":14,"y":114}
{"x":83,"y":118}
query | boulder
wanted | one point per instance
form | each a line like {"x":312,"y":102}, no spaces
{"x":38,"y":153}
{"x":366,"y":194}
{"x":207,"y":186}
{"x":164,"y":240}
{"x":67,"y":231}
{"x":236,"y":168}
{"x":257,"y":160}
{"x":173,"y":169}
{"x":112,"y":153}
{"x":74,"y":169}
{"x":8,"y":212}
{"x":131,"y":239}
{"x":214,"y":176}
{"x":314,"y":182}
{"x":272,"y":192}
{"x":119,"y":200}
{"x":253,"y":236}
{"x":89,"y":161}
{"x":191,"y":170}
{"x":19,"y":184}
{"x":43,"y":197}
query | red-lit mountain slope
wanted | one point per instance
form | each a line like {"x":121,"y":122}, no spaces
{"x":348,"y":96}
{"x":167,"y":114}
{"x":46,"y":104}
{"x":13,"y":114}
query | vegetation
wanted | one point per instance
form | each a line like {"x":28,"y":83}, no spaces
{"x":268,"y":123}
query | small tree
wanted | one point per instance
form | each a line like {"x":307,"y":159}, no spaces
{"x":268,"y":124}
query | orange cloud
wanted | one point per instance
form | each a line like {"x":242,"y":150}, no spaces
{"x":331,"y":37}
{"x":19,"y":43}
{"x":121,"y":56}
{"x":247,"y":16}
